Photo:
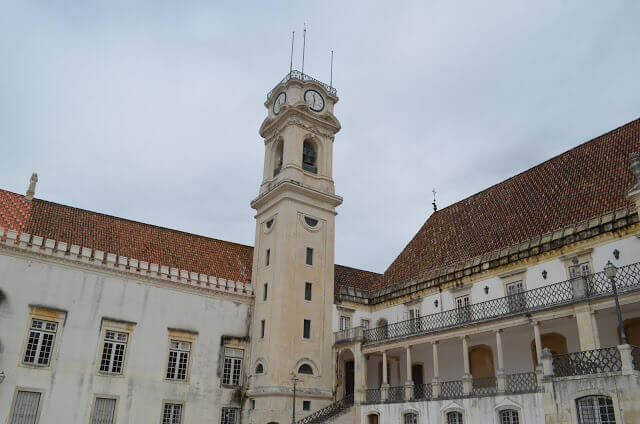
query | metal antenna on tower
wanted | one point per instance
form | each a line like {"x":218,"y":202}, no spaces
{"x":331,"y":78}
{"x":304,"y":44}
{"x":435,"y":207}
{"x":293,"y":36}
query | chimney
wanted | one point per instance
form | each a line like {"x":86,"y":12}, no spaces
{"x":31,"y":191}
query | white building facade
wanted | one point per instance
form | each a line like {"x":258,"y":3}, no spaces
{"x":500,"y":310}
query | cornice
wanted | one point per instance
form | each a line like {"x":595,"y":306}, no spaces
{"x":23,"y":244}
{"x":284,"y":186}
{"x":325,"y":125}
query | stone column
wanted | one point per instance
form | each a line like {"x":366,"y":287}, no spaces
{"x":360,"y":374}
{"x":626,"y":358}
{"x":435,"y":381}
{"x":501,"y":376}
{"x":538,"y":339}
{"x":596,"y":331}
{"x":385,"y":384}
{"x":408,"y":385}
{"x":467,"y":379}
{"x":547,"y":363}
{"x":586,"y":333}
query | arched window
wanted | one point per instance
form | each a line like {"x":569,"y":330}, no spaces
{"x":454,"y":417}
{"x":595,"y":410}
{"x":309,"y":157}
{"x":277,"y":159}
{"x":509,"y":416}
{"x":410,"y":418}
{"x":305,"y":369}
{"x":259,"y":369}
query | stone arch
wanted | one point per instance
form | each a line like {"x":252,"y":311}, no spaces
{"x":373,"y":417}
{"x":481,"y":361}
{"x":555,"y":342}
{"x":409,"y":411}
{"x":346,"y":372}
{"x":575,"y":397}
{"x":310,"y":154}
{"x":309,"y":362}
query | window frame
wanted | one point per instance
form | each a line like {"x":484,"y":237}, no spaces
{"x":445,"y":415}
{"x":230,"y":408}
{"x":179,"y":337}
{"x":344,"y":319}
{"x":306,"y":403}
{"x":19,"y":389}
{"x":267,"y":258}
{"x":172,"y":402}
{"x":306,"y":329}
{"x":263,"y":329}
{"x":47,"y":314}
{"x":405,"y":414}
{"x":308,"y":256}
{"x":236,"y":363}
{"x":118,"y":327}
{"x":308,"y":289}
{"x":508,"y":409}
{"x":363,"y":325}
{"x":103,"y":396}
{"x":594,"y":393}
{"x":265,"y":288}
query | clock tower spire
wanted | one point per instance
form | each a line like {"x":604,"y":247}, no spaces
{"x":293,"y":265}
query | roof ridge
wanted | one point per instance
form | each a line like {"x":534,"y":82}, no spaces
{"x":566,"y":152}
{"x":35,"y":199}
{"x":358,"y":269}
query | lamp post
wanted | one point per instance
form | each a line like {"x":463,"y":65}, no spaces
{"x":295,"y":380}
{"x":611,"y":271}
{"x":2,"y":376}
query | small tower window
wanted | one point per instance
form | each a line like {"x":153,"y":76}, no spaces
{"x":309,"y":157}
{"x":309,"y":258}
{"x":306,"y":331}
{"x":262,"y":325}
{"x":277,"y":159}
{"x":307,"y":291}
{"x":310,"y":221}
{"x":259,"y":369}
{"x":305,"y":369}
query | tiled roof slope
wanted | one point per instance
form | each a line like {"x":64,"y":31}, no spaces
{"x":123,"y":237}
{"x":345,"y":276}
{"x":586,"y":181}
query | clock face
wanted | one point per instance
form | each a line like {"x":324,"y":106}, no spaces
{"x":282,"y":97}
{"x":314,"y":100}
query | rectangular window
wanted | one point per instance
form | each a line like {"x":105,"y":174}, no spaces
{"x":306,"y":405}
{"x":229,"y":416}
{"x":253,"y":404}
{"x":579,"y":270}
{"x":232,"y":366}
{"x":268,"y":257}
{"x":104,"y":411}
{"x":307,"y":291}
{"x":25,"y":407}
{"x":40,"y":343}
{"x":345,"y":323}
{"x":365,"y":324}
{"x":262,"y":326}
{"x":264,"y":294}
{"x":309,"y":256}
{"x":307,"y":329}
{"x":178,"y":365}
{"x":172,"y":413}
{"x":463,"y":308}
{"x":113,"y":352}
{"x":516,"y":296}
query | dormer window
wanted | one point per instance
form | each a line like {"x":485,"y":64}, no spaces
{"x":309,"y":157}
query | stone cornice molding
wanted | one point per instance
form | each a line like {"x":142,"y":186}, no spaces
{"x":96,"y":260}
{"x":325,"y":125}
{"x":282,"y":188}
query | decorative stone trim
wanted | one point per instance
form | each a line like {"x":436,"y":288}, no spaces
{"x":583,"y":230}
{"x":87,"y":256}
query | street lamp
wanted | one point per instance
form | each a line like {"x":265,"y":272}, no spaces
{"x":611,"y":271}
{"x":2,"y":376}
{"x":295,"y":380}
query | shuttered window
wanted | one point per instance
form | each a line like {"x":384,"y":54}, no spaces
{"x":104,"y":411}
{"x":25,"y":408}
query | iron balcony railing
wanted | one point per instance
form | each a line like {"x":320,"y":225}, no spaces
{"x":546,"y":297}
{"x":526,"y":382}
{"x":304,"y":77}
{"x":349,"y":335}
{"x":333,"y":410}
{"x":586,"y":362}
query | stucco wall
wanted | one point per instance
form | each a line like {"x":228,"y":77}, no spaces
{"x":88,"y":296}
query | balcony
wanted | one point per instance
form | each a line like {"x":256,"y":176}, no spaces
{"x":304,"y":77}
{"x":567,"y":292}
{"x":354,"y":334}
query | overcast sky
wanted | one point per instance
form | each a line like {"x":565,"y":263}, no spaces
{"x":150,"y":110}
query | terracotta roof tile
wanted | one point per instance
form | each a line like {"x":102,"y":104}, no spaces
{"x":132,"y":239}
{"x":573,"y":187}
{"x":357,"y":278}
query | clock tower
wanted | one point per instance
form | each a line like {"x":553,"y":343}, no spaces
{"x":293,"y":262}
